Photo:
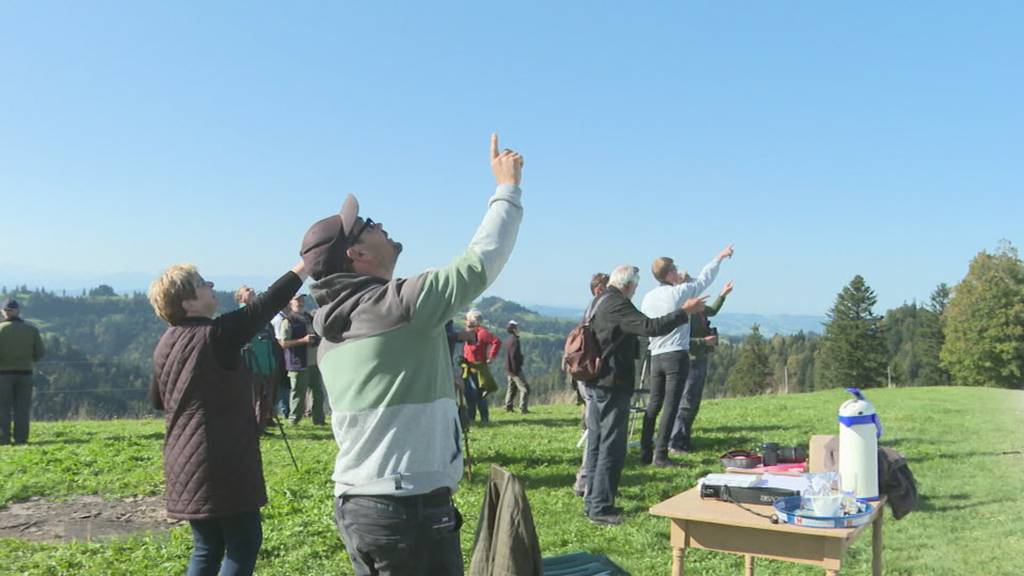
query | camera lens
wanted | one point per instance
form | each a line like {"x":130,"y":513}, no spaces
{"x":770,"y":453}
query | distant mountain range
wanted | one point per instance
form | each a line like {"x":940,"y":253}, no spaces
{"x":731,"y":323}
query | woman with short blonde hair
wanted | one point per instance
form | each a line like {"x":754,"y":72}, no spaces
{"x":213,"y":472}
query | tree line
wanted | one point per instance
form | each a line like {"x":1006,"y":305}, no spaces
{"x":100,"y":344}
{"x":971,"y":334}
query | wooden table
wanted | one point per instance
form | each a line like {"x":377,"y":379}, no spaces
{"x":724,"y":526}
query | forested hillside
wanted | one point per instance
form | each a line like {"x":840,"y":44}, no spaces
{"x":100,"y":344}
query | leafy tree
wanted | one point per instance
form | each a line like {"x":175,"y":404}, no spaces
{"x":853,"y":351}
{"x":984,"y":322}
{"x":102,"y":291}
{"x":752,"y":373}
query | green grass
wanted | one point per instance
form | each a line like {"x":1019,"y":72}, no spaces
{"x":964,"y":447}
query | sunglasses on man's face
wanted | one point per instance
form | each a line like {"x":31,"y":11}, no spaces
{"x":367,"y":223}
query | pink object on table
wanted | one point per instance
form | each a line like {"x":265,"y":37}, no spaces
{"x":791,"y":467}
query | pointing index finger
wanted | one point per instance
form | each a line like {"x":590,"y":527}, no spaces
{"x":494,"y":145}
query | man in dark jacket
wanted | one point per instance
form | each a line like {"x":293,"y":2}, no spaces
{"x":514,"y":368}
{"x":617,"y":323}
{"x":213,"y":472}
{"x":20,"y":347}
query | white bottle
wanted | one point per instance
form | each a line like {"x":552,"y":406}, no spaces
{"x":859,"y":430}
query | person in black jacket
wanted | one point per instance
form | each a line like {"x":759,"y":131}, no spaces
{"x":617,"y":323}
{"x":514,"y":368}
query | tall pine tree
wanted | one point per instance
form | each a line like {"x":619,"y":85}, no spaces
{"x":930,"y":335}
{"x":853,"y":350}
{"x":752,"y":373}
{"x":984,"y":322}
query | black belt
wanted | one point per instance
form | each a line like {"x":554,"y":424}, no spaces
{"x":437,"y":497}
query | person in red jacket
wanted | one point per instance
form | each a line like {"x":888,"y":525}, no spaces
{"x":479,"y":355}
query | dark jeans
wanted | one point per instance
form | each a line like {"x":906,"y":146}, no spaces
{"x":401,"y":536}
{"x":234,"y":539}
{"x":474,"y":401}
{"x":284,"y":391}
{"x":16,"y":398}
{"x":668,"y":375}
{"x":690,"y":404}
{"x":607,"y":416}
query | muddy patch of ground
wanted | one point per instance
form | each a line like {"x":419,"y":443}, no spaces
{"x":83,"y":518}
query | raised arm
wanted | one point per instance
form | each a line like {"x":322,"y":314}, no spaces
{"x":708,"y":273}
{"x":714,"y":307}
{"x":460,"y":282}
{"x":238,"y":327}
{"x":496,"y":236}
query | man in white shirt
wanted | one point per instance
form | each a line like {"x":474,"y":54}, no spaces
{"x":670,"y":360}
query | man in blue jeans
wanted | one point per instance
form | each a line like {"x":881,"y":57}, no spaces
{"x":617,"y":323}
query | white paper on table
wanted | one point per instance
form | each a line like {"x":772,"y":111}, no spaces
{"x":785,"y":482}
{"x":735,"y":480}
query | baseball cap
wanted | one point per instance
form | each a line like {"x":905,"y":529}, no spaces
{"x":324,"y":245}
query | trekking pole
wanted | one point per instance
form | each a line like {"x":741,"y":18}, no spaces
{"x":286,"y":444}
{"x":465,"y":436}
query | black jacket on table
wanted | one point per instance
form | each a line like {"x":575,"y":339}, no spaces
{"x":617,"y":322}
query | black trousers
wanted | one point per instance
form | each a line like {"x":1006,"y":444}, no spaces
{"x":16,"y":399}
{"x":668,"y":377}
{"x":689,"y":405}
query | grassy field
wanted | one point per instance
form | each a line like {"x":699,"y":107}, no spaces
{"x":964,"y":447}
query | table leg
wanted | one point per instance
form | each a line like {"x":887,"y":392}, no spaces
{"x":678,"y":556}
{"x":748,"y":562}
{"x":876,"y":545}
{"x":831,"y":572}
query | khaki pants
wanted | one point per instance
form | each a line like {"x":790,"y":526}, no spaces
{"x":301,"y":381}
{"x":517,"y":383}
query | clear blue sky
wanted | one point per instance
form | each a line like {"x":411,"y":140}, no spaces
{"x":824,"y":140}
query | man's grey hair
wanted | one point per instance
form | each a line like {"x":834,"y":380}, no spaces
{"x":474,"y":316}
{"x":624,"y":276}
